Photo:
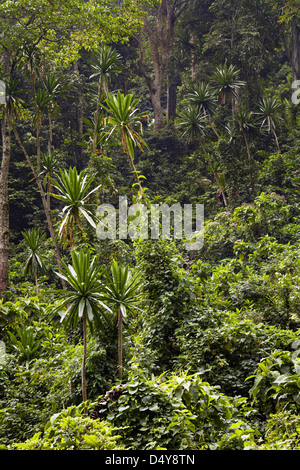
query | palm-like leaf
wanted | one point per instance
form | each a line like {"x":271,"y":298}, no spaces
{"x":31,"y":60}
{"x":245,"y":119}
{"x":26,"y":343}
{"x":107,"y":65}
{"x":54,"y":85}
{"x":124,"y":117}
{"x":203,"y":98}
{"x":13,"y":92}
{"x":244,"y":122}
{"x":82,"y":299}
{"x":268,"y":114}
{"x":227,"y":82}
{"x":232,"y":130}
{"x":122,"y":291}
{"x":50,"y":162}
{"x":97,"y":130}
{"x":34,"y":242}
{"x":191,"y":122}
{"x":74,"y":190}
{"x":84,"y":290}
{"x":35,"y":261}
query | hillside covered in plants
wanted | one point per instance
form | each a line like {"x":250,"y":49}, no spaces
{"x":130,"y":342}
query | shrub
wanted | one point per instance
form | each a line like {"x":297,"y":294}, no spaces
{"x":282,"y":432}
{"x":72,"y":430}
{"x":276,"y":384}
{"x":170,"y":411}
{"x":169,"y":294}
{"x":227,"y":347}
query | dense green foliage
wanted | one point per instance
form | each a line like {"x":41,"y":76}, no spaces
{"x":139,"y":343}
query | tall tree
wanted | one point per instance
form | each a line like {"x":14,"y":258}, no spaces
{"x":82,"y":300}
{"x":121,"y":290}
{"x":295,"y":24}
{"x":34,"y":262}
{"x":159,"y":30}
{"x":4,"y":172}
{"x":106,"y":65}
{"x":289,"y":14}
{"x":192,"y":122}
{"x":269,"y":117}
{"x":124,"y":116}
{"x":73,"y":190}
{"x":228,"y":85}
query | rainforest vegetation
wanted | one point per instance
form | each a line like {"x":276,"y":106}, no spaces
{"x":135,"y":343}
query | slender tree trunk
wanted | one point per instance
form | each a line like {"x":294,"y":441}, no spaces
{"x":212,"y":126}
{"x":173,"y":82}
{"x":36,"y":283}
{"x":247,"y":144}
{"x":48,"y":197}
{"x":171,"y":100}
{"x":214,"y":173}
{"x":96,"y":119}
{"x":83,"y":377}
{"x":4,"y":173}
{"x":50,"y":134}
{"x":120,"y":344}
{"x":276,"y":140}
{"x":295,"y":55}
{"x":134,"y":170}
{"x":155,"y":93}
{"x":193,"y":66}
{"x":249,"y":159}
{"x":79,"y":118}
{"x":4,"y":204}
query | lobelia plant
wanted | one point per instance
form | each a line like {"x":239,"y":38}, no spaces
{"x":74,"y":191}
{"x":123,"y":291}
{"x":83,"y":299}
{"x":34,"y":262}
{"x":123,"y":118}
{"x":26,"y":343}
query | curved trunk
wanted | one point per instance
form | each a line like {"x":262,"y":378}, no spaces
{"x":130,"y":154}
{"x":44,"y":201}
{"x":276,"y":140}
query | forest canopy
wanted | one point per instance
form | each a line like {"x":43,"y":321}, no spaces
{"x":120,"y":334}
